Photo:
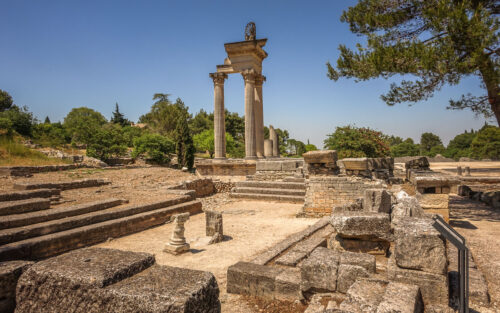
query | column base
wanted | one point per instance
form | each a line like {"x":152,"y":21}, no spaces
{"x":174,"y":249}
{"x":250,"y":158}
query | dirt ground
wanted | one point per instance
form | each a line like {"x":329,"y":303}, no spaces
{"x":138,"y":185}
{"x":250,"y":227}
{"x":480,"y":225}
{"x":477,"y":168}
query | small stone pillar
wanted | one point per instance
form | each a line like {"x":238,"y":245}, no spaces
{"x":467,"y":171}
{"x":178,"y":244}
{"x":219,"y":119}
{"x":259,"y":116}
{"x":214,"y":227}
{"x":268,"y":148}
{"x":250,"y":144}
{"x":276,"y":145}
{"x":459,"y":170}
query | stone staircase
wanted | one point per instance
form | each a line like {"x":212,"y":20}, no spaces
{"x":291,"y":189}
{"x":30,"y":229}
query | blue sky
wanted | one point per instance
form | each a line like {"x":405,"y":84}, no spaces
{"x":57,"y":55}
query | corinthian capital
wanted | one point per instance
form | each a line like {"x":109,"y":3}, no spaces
{"x":218,"y":78}
{"x":259,"y":79}
{"x":249,"y":75}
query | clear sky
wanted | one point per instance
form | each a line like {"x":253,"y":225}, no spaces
{"x":57,"y":55}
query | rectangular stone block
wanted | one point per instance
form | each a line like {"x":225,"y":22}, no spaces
{"x":213,"y":223}
{"x":362,"y":225}
{"x":287,"y":285}
{"x":347,"y":275}
{"x":366,"y":261}
{"x":356,"y":164}
{"x":9,"y":274}
{"x":320,"y":156}
{"x":364,"y":295}
{"x":252,"y":279}
{"x":105,"y":280}
{"x":420,"y":246}
{"x":401,"y":298}
{"x":23,"y":206}
{"x":268,"y":166}
{"x":377,"y":200}
{"x":288,"y":166}
{"x":434,"y":287}
{"x":319,"y":270}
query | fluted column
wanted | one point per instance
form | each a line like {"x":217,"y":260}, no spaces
{"x":259,"y":116}
{"x":250,"y":144}
{"x":219,"y":118}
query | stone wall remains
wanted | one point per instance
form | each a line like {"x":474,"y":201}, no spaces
{"x":225,"y":168}
{"x":202,"y":186}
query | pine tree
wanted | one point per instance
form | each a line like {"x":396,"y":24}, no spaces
{"x":439,"y":42}
{"x":184,"y":143}
{"x":118,"y":117}
{"x":47,"y":120}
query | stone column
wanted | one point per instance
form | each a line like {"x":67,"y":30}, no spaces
{"x":219,"y":119}
{"x":268,"y":148}
{"x":178,"y":244}
{"x":274,"y":138}
{"x":259,"y":116}
{"x":250,"y":144}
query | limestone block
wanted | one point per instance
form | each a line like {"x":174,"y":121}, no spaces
{"x":433,"y":201}
{"x":406,"y":206}
{"x":420,"y":246}
{"x":252,"y":279}
{"x":107,"y":280}
{"x":288,"y":166}
{"x":364,"y":295}
{"x":320,"y":156}
{"x":9,"y":274}
{"x":356,"y":164}
{"x":420,"y":163}
{"x":213,"y":223}
{"x":287,"y":285}
{"x":401,"y":298}
{"x":356,"y":205}
{"x":268,"y":166}
{"x":434,"y":287}
{"x":377,"y":200}
{"x":366,"y":261}
{"x":372,"y":247}
{"x":362,"y":225}
{"x":319,"y":270}
{"x":348,"y":274}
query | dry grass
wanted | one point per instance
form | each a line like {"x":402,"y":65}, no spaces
{"x":13,"y":153}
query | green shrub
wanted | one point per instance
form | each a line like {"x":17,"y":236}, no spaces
{"x":106,"y":142}
{"x":354,"y":142}
{"x":22,"y":120}
{"x":5,"y":127}
{"x":486,"y":144}
{"x":154,"y":147}
{"x":50,"y":135}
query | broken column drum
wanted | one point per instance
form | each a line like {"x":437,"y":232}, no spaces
{"x":243,"y":57}
{"x":178,"y":242}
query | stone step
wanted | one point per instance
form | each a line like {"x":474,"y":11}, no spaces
{"x":56,"y":243}
{"x":75,"y":184}
{"x":294,"y":179}
{"x":23,"y":206}
{"x":263,"y":197}
{"x":270,"y":191}
{"x":18,"y":220}
{"x":29,"y":194}
{"x":271,"y":184}
{"x":65,"y":223}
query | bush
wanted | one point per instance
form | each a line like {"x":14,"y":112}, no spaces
{"x":50,"y":135}
{"x":81,"y":124}
{"x":130,"y":133}
{"x":405,"y":148}
{"x":155,"y":147}
{"x":22,"y":120}
{"x":204,"y":141}
{"x":486,"y":144}
{"x":5,"y":127}
{"x":107,"y":142}
{"x":353,"y":142}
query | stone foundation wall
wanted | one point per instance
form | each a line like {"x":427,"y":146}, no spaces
{"x":324,"y":193}
{"x":225,"y":168}
{"x":203,"y":186}
{"x":30,"y":170}
{"x":271,"y":175}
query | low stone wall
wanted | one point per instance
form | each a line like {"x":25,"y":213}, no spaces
{"x":30,"y":170}
{"x":203,"y":186}
{"x":225,"y":167}
{"x":276,"y":169}
{"x":324,"y":193}
{"x":221,"y":186}
{"x":119,"y":161}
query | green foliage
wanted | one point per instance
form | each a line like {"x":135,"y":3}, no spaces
{"x":6,"y":101}
{"x":311,"y":147}
{"x":438,"y":42}
{"x":6,"y":128}
{"x":106,"y":142}
{"x":201,"y":122}
{"x":405,"y":148}
{"x":82,"y":123}
{"x":50,"y":135}
{"x":395,"y":140}
{"x":486,"y":144}
{"x":430,"y":144}
{"x":118,"y":117}
{"x":22,"y":120}
{"x":184,"y":146}
{"x":130,"y":133}
{"x":47,"y":120}
{"x":295,"y":147}
{"x":460,"y":146}
{"x":235,"y":125}
{"x":352,"y":142}
{"x":155,"y":147}
{"x":205,"y":142}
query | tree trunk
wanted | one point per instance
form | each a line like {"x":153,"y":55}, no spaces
{"x":491,"y":81}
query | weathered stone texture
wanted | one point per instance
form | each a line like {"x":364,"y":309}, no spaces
{"x":348,"y":274}
{"x":366,"y":261}
{"x":106,"y":280}
{"x":9,"y":275}
{"x":202,"y":186}
{"x":287,"y":285}
{"x":420,"y":246}
{"x":320,"y":156}
{"x":319,"y":270}
{"x":377,"y":200}
{"x":364,"y":296}
{"x":362,"y":225}
{"x":252,"y":279}
{"x":401,"y":298}
{"x":225,"y":167}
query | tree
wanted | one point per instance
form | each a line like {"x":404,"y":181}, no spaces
{"x":486,"y":144}
{"x":51,"y":135}
{"x":6,"y":101}
{"x":184,"y":146}
{"x":460,"y":145}
{"x":118,"y":117}
{"x":155,"y":147}
{"x":22,"y":119}
{"x":204,"y":141}
{"x":310,"y":147}
{"x":296,"y":147}
{"x":395,"y":140}
{"x":201,"y":122}
{"x":354,"y":142}
{"x":235,"y":125}
{"x":82,"y":123}
{"x":438,"y":42}
{"x":405,"y":148}
{"x":106,"y":142}
{"x":47,"y":120}
{"x":428,"y":142}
